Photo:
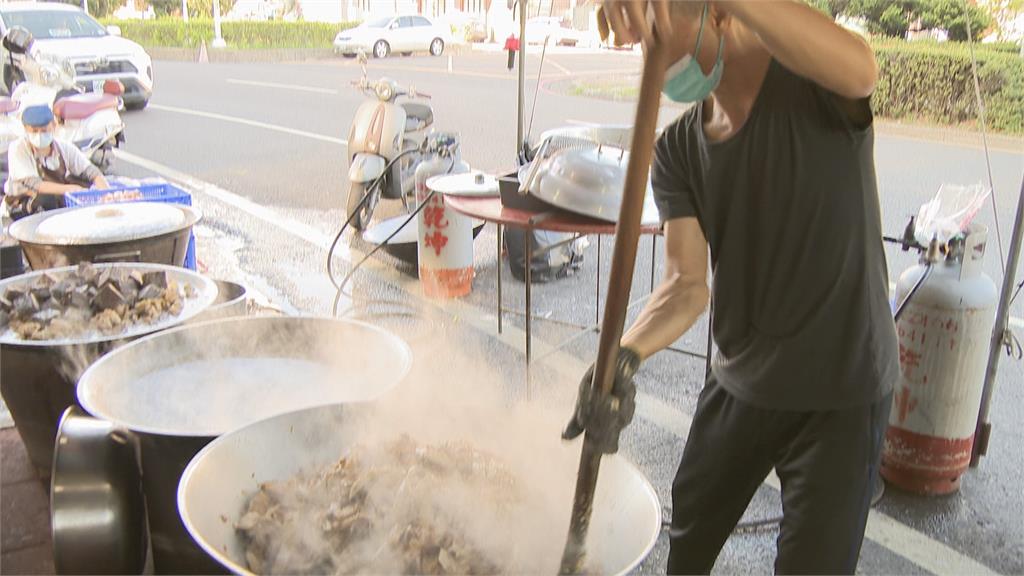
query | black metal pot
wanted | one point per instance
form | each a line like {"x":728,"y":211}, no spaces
{"x":165,"y":246}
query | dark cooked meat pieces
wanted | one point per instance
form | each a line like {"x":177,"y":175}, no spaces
{"x":106,"y":300}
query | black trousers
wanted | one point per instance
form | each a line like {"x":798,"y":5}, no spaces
{"x":827,"y":462}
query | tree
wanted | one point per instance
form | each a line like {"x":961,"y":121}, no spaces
{"x":1004,"y":12}
{"x":166,"y":7}
{"x":953,"y":16}
{"x":196,"y":8}
{"x":887,"y":17}
{"x":833,"y":8}
{"x":97,"y":8}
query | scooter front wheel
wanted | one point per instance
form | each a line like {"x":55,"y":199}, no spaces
{"x":357,"y":211}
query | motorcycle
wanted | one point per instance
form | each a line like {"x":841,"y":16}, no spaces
{"x":384,"y":146}
{"x":90,"y":120}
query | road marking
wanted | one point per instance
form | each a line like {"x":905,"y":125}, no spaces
{"x":888,"y":532}
{"x":281,"y":86}
{"x":564,"y":70}
{"x":247,"y":122}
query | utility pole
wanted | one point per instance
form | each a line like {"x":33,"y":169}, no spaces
{"x":85,"y":6}
{"x":218,"y":40}
{"x":184,"y":11}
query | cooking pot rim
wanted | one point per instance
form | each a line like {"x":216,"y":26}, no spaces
{"x":85,"y":383}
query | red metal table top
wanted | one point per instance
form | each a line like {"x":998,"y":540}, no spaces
{"x":491,"y":210}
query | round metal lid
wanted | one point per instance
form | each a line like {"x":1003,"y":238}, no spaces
{"x":103,"y":223}
{"x":465,"y":184}
{"x":590,"y":183}
{"x":206,"y":293}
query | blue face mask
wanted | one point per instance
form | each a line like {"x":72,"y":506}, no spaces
{"x":685,"y":81}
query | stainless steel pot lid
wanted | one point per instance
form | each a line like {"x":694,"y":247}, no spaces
{"x":589,"y":182}
{"x":466,"y":184}
{"x":205,"y":294}
{"x":103,"y":224}
{"x":208,"y":378}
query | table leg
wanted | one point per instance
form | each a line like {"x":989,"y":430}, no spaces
{"x":597,"y":291}
{"x":499,"y":277}
{"x":529,"y":298}
{"x":654,"y":256}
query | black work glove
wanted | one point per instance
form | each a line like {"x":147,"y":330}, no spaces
{"x":605,"y":420}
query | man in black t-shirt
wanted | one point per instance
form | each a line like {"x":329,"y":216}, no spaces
{"x":772,"y":173}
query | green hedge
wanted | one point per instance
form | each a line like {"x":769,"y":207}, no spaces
{"x":934,"y":83}
{"x":173,"y":33}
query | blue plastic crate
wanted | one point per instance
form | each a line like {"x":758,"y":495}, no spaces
{"x":165,"y":193}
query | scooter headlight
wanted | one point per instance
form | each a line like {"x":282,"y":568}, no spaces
{"x":385,"y":91}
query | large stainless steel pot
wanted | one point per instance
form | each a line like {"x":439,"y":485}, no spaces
{"x":217,"y":484}
{"x":180,"y":389}
{"x":83,"y":238}
{"x":232,"y":300}
{"x":37,"y":378}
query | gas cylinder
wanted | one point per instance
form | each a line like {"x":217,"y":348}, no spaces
{"x":445,"y":251}
{"x":943,"y":344}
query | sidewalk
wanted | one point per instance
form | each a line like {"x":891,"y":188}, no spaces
{"x":25,"y":518}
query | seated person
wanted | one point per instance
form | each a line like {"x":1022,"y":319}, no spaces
{"x":41,"y":168}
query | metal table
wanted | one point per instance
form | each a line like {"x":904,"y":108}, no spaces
{"x":491,"y":210}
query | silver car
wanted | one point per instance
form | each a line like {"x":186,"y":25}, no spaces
{"x":401,"y":34}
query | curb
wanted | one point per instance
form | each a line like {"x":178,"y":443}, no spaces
{"x":229,"y":55}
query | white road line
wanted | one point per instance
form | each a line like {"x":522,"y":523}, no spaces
{"x":564,"y":70}
{"x":919,"y":548}
{"x":295,"y":87}
{"x":247,"y":122}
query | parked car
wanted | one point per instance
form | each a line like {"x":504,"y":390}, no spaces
{"x":96,"y":53}
{"x":541,"y":27}
{"x":402,"y":34}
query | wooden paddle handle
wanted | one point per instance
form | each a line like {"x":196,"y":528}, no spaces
{"x":627,"y":235}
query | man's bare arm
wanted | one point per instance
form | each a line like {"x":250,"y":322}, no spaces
{"x":811,"y":44}
{"x":682,"y":295}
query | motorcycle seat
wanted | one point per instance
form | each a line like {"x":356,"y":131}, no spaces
{"x":7,"y":105}
{"x":417,"y":116}
{"x":82,"y":106}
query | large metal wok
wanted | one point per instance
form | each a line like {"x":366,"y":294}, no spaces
{"x":178,"y":390}
{"x":217,"y":484}
{"x":134,"y":232}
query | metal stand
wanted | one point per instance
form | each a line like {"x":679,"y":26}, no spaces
{"x":1000,"y":334}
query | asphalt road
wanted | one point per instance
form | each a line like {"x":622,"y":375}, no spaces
{"x":263,"y":148}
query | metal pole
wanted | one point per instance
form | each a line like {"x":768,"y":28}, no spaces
{"x":218,"y":40}
{"x":85,"y":6}
{"x":999,"y":334}
{"x":522,"y":76}
{"x":184,"y":11}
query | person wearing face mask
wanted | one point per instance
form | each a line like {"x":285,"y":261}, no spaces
{"x":42,"y":168}
{"x":771,"y":173}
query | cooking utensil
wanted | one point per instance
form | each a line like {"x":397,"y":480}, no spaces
{"x":38,"y":377}
{"x":179,"y":389}
{"x":466,"y":184}
{"x":96,"y":505}
{"x":223,"y":476}
{"x":232,"y":300}
{"x":134,"y":232}
{"x":627,"y":236}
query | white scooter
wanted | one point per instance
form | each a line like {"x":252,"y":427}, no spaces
{"x":384,"y":146}
{"x":90,"y":120}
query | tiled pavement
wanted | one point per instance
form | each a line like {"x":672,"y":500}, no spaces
{"x":25,"y":517}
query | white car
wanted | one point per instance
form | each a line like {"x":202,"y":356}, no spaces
{"x":542,"y":27}
{"x":402,"y":34}
{"x":96,"y":53}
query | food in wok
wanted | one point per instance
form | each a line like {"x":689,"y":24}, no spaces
{"x":395,"y":507}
